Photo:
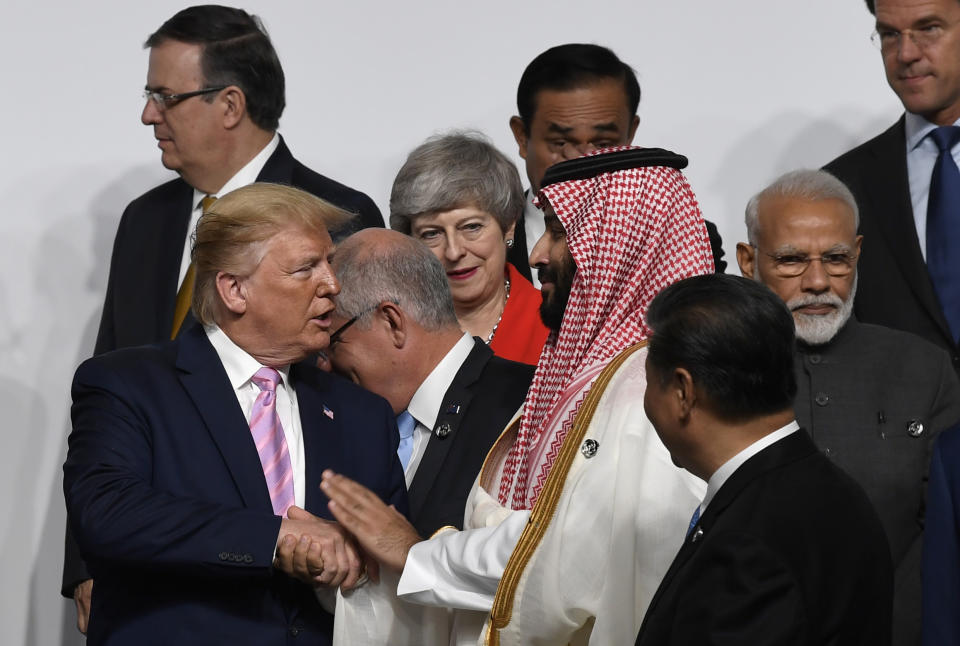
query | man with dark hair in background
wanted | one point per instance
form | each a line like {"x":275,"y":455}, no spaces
{"x":572,"y":99}
{"x":906,"y":180}
{"x":872,"y":398}
{"x":785,"y":547}
{"x":214,"y":97}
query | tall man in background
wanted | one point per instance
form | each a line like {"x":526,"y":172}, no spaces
{"x":906,"y":179}
{"x":573,"y":99}
{"x":214,"y":97}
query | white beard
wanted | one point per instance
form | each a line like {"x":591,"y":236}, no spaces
{"x":817,"y":329}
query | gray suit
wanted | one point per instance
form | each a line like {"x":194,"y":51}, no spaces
{"x":863,"y":398}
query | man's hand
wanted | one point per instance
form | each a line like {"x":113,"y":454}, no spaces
{"x":317,"y":551}
{"x":382,"y":531}
{"x":81,"y":595}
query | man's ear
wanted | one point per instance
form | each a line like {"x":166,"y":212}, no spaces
{"x":234,"y":106}
{"x":396,"y":322}
{"x":634,"y":123}
{"x":232,"y":293}
{"x":684,"y":392}
{"x":747,"y":259}
{"x":519,"y":135}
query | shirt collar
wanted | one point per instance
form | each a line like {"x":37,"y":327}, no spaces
{"x":239,"y":365}
{"x":246,"y":175}
{"x":917,"y":128}
{"x":730,"y":466}
{"x":426,"y":402}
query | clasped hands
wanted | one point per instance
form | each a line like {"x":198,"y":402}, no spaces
{"x":368,"y":532}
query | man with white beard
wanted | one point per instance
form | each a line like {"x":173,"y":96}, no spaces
{"x":872,"y":398}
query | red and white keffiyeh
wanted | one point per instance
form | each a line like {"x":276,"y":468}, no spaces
{"x":631,"y":233}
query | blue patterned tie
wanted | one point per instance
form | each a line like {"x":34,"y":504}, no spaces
{"x":406,"y":423}
{"x":943,"y":227}
{"x":694,"y":520}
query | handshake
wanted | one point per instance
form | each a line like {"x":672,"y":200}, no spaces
{"x":367,"y":534}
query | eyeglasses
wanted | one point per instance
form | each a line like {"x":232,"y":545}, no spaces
{"x":164,"y":101}
{"x":890,"y":40}
{"x":335,"y":337}
{"x":792,"y":265}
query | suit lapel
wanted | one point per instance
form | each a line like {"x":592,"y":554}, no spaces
{"x":206,"y":383}
{"x":453,"y":412}
{"x":888,"y":201}
{"x":279,"y":166}
{"x":323,"y":436}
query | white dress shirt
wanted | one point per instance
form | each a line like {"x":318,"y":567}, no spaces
{"x":728,"y":468}
{"x":426,"y":402}
{"x":240,"y":368}
{"x":246,"y":175}
{"x":922,"y":153}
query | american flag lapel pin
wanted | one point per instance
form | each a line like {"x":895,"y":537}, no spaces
{"x":327,"y":411}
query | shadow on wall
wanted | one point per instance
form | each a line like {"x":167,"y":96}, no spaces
{"x":69,"y":282}
{"x":774,"y":147}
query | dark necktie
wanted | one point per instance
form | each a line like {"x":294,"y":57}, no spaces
{"x":943,"y":227}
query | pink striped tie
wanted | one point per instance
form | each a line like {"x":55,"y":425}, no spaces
{"x":271,"y":443}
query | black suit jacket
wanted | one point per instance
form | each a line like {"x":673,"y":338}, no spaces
{"x":169,"y":504}
{"x":145,"y":271}
{"x":894,"y":286}
{"x":481,"y":400}
{"x":789,"y":551}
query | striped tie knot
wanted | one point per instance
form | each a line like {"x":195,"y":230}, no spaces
{"x":267,"y":379}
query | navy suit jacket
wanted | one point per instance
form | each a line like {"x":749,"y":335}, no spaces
{"x":789,"y":551}
{"x":145,"y":271}
{"x":941,"y":545}
{"x":894,"y":286}
{"x":168,"y":502}
{"x":480,"y":401}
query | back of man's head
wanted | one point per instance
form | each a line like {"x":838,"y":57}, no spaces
{"x":572,"y":66}
{"x":236,"y":51}
{"x":734,"y":336}
{"x":380,"y":265}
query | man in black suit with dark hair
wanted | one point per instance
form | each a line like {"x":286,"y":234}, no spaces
{"x":909,"y":274}
{"x":785,"y":548}
{"x":572,"y":99}
{"x":214,"y":97}
{"x":398,"y":336}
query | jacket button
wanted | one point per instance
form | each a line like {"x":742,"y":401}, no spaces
{"x":295,"y":630}
{"x":223,"y":556}
{"x":915,"y":428}
{"x":822,"y":399}
{"x":247,"y":558}
{"x":814,"y":359}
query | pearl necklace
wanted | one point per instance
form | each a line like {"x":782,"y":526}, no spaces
{"x":506,"y":285}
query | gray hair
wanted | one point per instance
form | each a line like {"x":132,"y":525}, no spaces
{"x":404,"y":272}
{"x":804,"y":184}
{"x":454,"y":171}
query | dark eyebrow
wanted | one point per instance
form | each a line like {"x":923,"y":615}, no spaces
{"x":606,"y":127}
{"x":557,"y":128}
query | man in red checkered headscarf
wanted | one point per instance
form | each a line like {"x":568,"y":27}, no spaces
{"x":578,"y":510}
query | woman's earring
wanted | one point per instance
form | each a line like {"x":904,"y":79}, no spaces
{"x":510,"y":243}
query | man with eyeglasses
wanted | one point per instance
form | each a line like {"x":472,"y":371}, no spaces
{"x":906,"y":180}
{"x":214,"y":97}
{"x":873,"y":399}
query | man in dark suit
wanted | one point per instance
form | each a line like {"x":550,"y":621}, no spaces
{"x":572,"y":99}
{"x":941,"y":545}
{"x":785,"y":548}
{"x":214,"y":97}
{"x":191,"y":460}
{"x":909,"y":274}
{"x":399,"y":338}
{"x":872,"y":398}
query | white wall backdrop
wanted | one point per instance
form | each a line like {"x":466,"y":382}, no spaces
{"x":746,"y":89}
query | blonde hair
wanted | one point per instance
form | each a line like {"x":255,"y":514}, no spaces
{"x":231,"y":235}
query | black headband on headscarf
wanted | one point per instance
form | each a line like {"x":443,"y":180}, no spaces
{"x":593,"y":165}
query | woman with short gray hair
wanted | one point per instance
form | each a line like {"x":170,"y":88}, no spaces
{"x":461,"y":197}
